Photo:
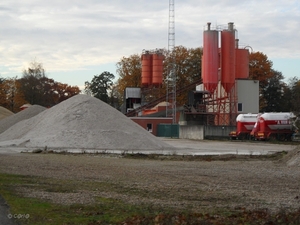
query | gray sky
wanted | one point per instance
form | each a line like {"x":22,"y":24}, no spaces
{"x":75,"y":40}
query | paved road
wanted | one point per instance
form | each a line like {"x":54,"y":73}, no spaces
{"x":192,"y":147}
{"x":208,"y":147}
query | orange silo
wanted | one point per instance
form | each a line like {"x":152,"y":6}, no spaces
{"x":241,"y":62}
{"x":210,"y":59}
{"x":146,"y":69}
{"x":228,"y":58}
{"x":157,"y":69}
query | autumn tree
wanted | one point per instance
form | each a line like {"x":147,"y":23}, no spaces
{"x":129,"y":70}
{"x":188,"y":70}
{"x":2,"y":92}
{"x":63,"y":92}
{"x":260,"y":68}
{"x":10,"y":95}
{"x":38,"y":89}
{"x":100,"y":86}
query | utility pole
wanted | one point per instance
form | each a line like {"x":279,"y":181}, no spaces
{"x":171,"y":76}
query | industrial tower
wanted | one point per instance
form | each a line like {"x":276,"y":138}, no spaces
{"x":171,"y":74}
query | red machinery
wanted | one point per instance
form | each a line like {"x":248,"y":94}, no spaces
{"x":274,"y":126}
{"x":244,"y":126}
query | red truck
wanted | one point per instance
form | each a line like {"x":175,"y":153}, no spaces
{"x":244,"y":126}
{"x":274,"y":126}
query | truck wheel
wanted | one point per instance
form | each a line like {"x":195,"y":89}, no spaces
{"x":281,"y":137}
{"x":272,"y":137}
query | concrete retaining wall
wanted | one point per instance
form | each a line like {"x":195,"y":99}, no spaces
{"x":212,"y":132}
{"x":194,"y":132}
{"x":200,"y":132}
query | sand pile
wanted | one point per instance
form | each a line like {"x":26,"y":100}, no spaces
{"x":81,"y":122}
{"x":4,"y":113}
{"x":22,"y":115}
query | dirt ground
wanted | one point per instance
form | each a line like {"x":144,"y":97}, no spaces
{"x":181,"y":183}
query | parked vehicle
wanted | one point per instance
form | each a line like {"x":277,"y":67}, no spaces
{"x":244,"y":126}
{"x":274,"y":126}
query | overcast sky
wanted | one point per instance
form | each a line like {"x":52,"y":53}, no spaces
{"x":75,"y":40}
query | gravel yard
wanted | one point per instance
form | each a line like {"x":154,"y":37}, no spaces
{"x":194,"y":184}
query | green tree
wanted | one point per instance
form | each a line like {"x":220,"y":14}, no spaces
{"x":273,"y":93}
{"x":31,"y":85}
{"x":294,"y":85}
{"x":100,"y":86}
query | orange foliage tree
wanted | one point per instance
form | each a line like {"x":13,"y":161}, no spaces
{"x":260,"y":68}
{"x":188,"y":70}
{"x":10,"y":95}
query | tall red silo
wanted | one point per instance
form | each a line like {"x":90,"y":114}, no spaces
{"x":241,"y":63}
{"x":228,"y":58}
{"x":210,"y":59}
{"x":157,"y":69}
{"x":146,"y":70}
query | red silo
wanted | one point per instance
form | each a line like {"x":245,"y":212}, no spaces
{"x":228,"y":58}
{"x":157,"y":69}
{"x":146,"y":69}
{"x":241,"y":63}
{"x":210,"y":59}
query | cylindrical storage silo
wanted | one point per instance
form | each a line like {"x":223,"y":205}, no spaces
{"x":241,"y":63}
{"x":146,"y":69}
{"x":228,"y":58}
{"x":210,"y":59}
{"x":157,"y":69}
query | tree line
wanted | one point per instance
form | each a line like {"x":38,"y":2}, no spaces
{"x":274,"y":94}
{"x":35,"y":88}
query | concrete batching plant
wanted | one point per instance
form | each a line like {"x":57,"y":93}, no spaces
{"x":224,"y":66}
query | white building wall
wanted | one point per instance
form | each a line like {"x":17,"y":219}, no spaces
{"x":247,"y":96}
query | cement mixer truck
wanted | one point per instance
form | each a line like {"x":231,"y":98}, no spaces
{"x":274,"y":126}
{"x":244,"y":126}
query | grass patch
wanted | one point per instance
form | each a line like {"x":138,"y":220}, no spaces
{"x":40,"y":211}
{"x":114,"y":211}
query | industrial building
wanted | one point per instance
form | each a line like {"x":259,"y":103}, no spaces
{"x":215,"y":100}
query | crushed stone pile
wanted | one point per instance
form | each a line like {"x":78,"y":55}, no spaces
{"x":22,"y":115}
{"x":292,"y":158}
{"x":81,"y":122}
{"x":4,"y":113}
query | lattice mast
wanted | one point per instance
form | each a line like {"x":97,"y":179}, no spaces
{"x":171,"y":76}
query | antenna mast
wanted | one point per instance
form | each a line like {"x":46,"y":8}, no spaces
{"x":171,"y":76}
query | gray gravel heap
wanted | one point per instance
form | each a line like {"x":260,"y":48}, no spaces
{"x":22,"y":115}
{"x":82,"y":122}
{"x":4,"y":113}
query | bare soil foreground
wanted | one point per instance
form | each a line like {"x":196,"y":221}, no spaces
{"x":197,"y":184}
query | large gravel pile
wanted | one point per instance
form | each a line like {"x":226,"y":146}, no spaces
{"x":22,"y":115}
{"x":82,"y":122}
{"x":4,"y":113}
